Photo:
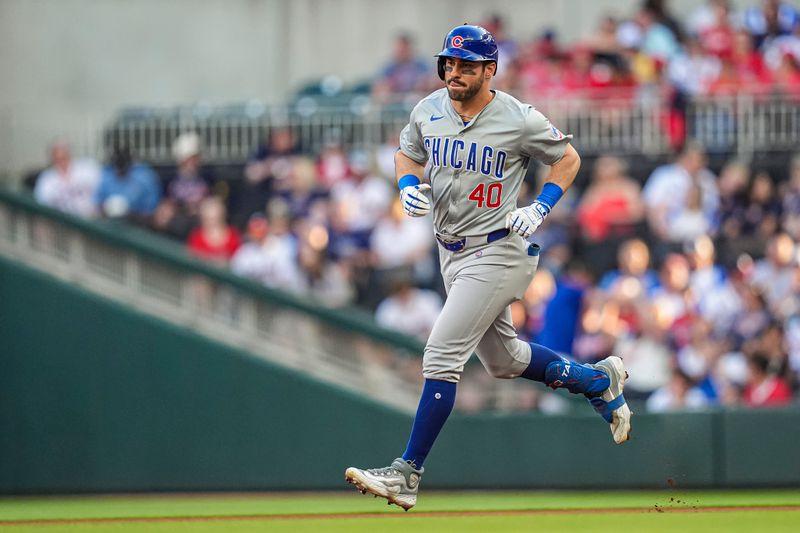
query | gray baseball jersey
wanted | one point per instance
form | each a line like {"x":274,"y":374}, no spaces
{"x":476,"y":170}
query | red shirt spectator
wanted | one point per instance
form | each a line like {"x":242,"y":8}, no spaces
{"x":763,"y":389}
{"x":209,"y":246}
{"x":214,"y":240}
{"x":748,"y":62}
{"x":718,"y":38}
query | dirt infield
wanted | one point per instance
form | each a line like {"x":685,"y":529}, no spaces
{"x":419,"y":514}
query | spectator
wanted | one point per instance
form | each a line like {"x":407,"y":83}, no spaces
{"x":749,"y":64}
{"x":69,"y":184}
{"x":266,"y":171}
{"x":302,"y":192}
{"x":409,"y":309}
{"x":633,"y":277}
{"x":717,"y":38}
{"x":716,"y":299}
{"x":672,"y":300}
{"x":363,"y":197}
{"x":706,"y":16}
{"x":661,"y":14}
{"x":678,"y":395}
{"x":333,"y":165}
{"x":404,"y":73}
{"x":401,"y":241}
{"x":787,"y":76}
{"x":773,"y":19}
{"x":658,"y":40}
{"x":611,"y":205}
{"x":127,"y":188}
{"x":733,"y":181}
{"x":693,"y":71}
{"x":774,"y":275}
{"x":691,"y":222}
{"x":384,"y":156}
{"x":562,"y":311}
{"x":753,"y":319}
{"x":189,"y":187}
{"x":268,"y":257}
{"x":764,"y":389}
{"x":214,"y":240}
{"x":668,"y":187}
{"x":763,"y":213}
{"x":604,"y":42}
{"x":176,"y":215}
{"x":326,"y":281}
{"x":791,"y":200}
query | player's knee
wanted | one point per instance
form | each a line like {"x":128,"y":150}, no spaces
{"x":502,"y":371}
{"x":442,"y":375}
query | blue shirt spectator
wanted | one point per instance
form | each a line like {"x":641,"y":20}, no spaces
{"x":127,"y":188}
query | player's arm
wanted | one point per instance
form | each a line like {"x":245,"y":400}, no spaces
{"x":545,"y":143}
{"x":563,"y":172}
{"x":405,"y":166}
{"x":410,"y":170}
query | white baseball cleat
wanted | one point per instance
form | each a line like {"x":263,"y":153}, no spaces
{"x":398,"y":483}
{"x":611,"y":404}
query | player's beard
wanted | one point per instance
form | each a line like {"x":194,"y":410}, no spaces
{"x":465,"y":92}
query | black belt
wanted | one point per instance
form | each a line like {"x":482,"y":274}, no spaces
{"x":459,"y":244}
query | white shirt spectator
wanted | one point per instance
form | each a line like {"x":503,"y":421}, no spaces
{"x":411,"y":311}
{"x":664,"y":400}
{"x":647,"y":360}
{"x":72,"y":192}
{"x":668,"y":186}
{"x":779,"y":47}
{"x":693,"y":74}
{"x":363,"y":202}
{"x":271,"y":263}
{"x":398,"y":242}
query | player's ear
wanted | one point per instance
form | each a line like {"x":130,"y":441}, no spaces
{"x":490,"y":69}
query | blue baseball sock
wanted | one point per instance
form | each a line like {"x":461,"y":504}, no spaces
{"x":554,"y":371}
{"x":435,"y":405}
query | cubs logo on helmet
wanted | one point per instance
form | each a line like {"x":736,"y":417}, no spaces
{"x":468,"y":42}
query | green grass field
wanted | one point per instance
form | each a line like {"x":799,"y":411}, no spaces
{"x":553,"y":512}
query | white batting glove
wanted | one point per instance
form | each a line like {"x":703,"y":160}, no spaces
{"x":526,"y":220}
{"x":415,"y":202}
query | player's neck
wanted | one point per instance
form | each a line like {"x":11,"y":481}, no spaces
{"x":468,"y":109}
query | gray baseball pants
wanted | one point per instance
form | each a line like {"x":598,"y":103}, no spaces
{"x":481,"y":281}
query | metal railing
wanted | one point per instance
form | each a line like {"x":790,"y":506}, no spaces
{"x":746,"y":123}
{"x":741,"y":124}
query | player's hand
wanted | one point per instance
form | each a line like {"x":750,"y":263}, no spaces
{"x":526,"y":220}
{"x":415,"y":202}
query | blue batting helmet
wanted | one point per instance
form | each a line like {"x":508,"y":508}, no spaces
{"x":468,"y":42}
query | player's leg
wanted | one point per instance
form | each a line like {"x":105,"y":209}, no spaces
{"x":472,"y":303}
{"x":505,"y":356}
{"x":476,"y":295}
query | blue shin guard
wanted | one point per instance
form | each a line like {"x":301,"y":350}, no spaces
{"x":576,"y":378}
{"x":548,"y":367}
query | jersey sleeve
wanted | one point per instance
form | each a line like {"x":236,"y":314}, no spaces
{"x":411,"y":142}
{"x":541,"y":140}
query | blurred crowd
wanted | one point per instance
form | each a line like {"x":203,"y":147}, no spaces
{"x":691,"y":275}
{"x":650,"y":56}
{"x":713,"y":50}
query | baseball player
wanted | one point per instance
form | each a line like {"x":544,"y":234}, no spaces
{"x":478,"y":143}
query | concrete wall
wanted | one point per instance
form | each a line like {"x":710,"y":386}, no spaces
{"x":67,"y":65}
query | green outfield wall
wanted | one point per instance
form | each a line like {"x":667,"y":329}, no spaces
{"x":97,"y":397}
